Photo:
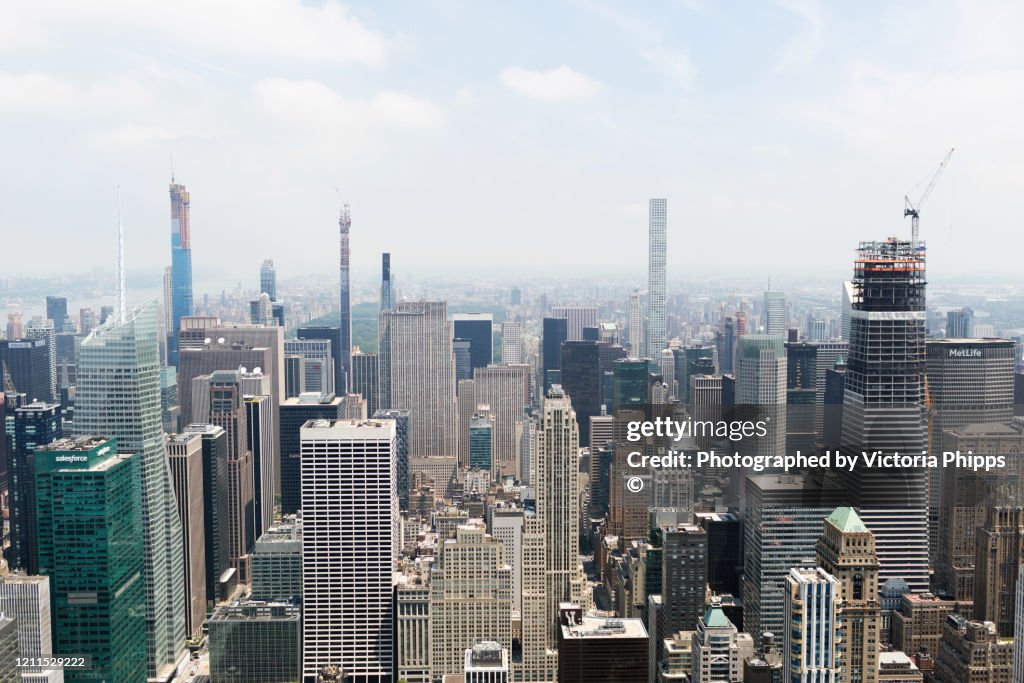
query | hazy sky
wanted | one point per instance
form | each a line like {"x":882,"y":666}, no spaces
{"x":507,"y":134}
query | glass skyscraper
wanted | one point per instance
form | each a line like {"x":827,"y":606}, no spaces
{"x":118,"y":394}
{"x":181,"y":266}
{"x":91,"y":546}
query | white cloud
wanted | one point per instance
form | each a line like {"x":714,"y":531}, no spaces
{"x":674,"y":64}
{"x":806,"y":44}
{"x":560,"y":83}
{"x":43,"y":93}
{"x":339,"y":124}
{"x":262,"y":29}
{"x":134,"y":135}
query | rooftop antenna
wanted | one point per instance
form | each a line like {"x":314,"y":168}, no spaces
{"x":172,"y":168}
{"x":122,"y":308}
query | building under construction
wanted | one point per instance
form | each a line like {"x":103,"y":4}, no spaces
{"x":884,"y":403}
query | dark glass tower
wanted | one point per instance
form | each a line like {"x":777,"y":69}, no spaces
{"x":475,"y":327}
{"x":581,"y":380}
{"x":35,"y":425}
{"x":884,"y":403}
{"x":555,"y":332}
{"x":387,"y":286}
{"x":181,"y":266}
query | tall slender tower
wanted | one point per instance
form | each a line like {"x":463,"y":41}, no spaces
{"x":345,"y":311}
{"x":884,"y":401}
{"x":656,"y":331}
{"x":387,"y":287}
{"x":118,"y":394}
{"x":181,"y":266}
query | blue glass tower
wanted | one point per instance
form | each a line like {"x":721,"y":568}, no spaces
{"x":181,"y":266}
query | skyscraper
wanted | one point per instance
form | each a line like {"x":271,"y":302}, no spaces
{"x":846,"y":550}
{"x":760,"y":369}
{"x":387,"y":286}
{"x":511,"y":343}
{"x":91,"y":547}
{"x":576,"y":318}
{"x":27,"y":361}
{"x":960,"y":324}
{"x":637,"y":334}
{"x":344,"y":350}
{"x":185,"y":455}
{"x":554,"y":334}
{"x":812,"y":624}
{"x":558,"y":504}
{"x":774,"y":313}
{"x":470,"y":598}
{"x":334,"y":335}
{"x":119,"y":365}
{"x":295,"y":412}
{"x":656,"y":318}
{"x":318,"y":362}
{"x":215,"y":506}
{"x":417,"y":373}
{"x":26,"y":599}
{"x":57,"y":311}
{"x":785,"y":519}
{"x":365,"y":379}
{"x":349,"y":547}
{"x":181,"y":265}
{"x":477,"y":328}
{"x":1000,"y":556}
{"x":42,"y":328}
{"x":883,"y":404}
{"x":719,"y":648}
{"x":684,"y":558}
{"x":268,"y":279}
{"x":35,"y":425}
{"x":505,"y":389}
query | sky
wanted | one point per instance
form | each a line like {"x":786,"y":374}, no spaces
{"x":518,"y":136}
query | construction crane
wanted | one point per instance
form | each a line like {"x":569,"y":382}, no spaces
{"x":913,"y":210}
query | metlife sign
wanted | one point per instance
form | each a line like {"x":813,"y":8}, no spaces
{"x":965,"y":352}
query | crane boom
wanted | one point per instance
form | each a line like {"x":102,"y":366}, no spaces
{"x":913,"y":210}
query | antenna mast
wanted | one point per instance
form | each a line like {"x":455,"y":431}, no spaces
{"x":122,"y":307}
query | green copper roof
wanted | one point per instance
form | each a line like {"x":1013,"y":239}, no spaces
{"x":715,"y":617}
{"x":846,"y":519}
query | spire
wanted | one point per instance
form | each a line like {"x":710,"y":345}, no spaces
{"x":122,"y":308}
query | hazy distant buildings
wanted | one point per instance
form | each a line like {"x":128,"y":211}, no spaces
{"x":960,"y":324}
{"x":774,"y":316}
{"x":637,"y":333}
{"x":511,"y":343}
{"x":343,"y":349}
{"x":268,"y":279}
{"x":576,"y":318}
